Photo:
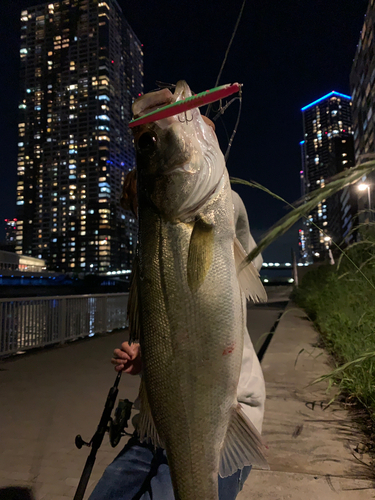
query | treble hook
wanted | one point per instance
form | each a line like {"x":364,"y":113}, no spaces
{"x":186,"y":118}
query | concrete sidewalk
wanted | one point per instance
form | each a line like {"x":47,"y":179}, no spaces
{"x":311,"y":450}
{"x":48,"y":397}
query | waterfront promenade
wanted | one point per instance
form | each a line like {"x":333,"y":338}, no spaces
{"x":49,"y":396}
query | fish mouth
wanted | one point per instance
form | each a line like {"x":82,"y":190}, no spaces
{"x":182,"y":91}
{"x":161,"y":147}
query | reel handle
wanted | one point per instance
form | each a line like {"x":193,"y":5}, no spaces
{"x":79,"y":442}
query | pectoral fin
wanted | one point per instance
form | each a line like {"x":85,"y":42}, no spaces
{"x":242,"y":446}
{"x":200,"y":255}
{"x":248,"y":277}
{"x":133,"y":306}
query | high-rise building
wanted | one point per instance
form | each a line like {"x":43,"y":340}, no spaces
{"x":81,"y":68}
{"x":362,"y":83}
{"x":327,"y":149}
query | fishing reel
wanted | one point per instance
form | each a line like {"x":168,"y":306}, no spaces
{"x":119,"y":422}
{"x":116,"y":426}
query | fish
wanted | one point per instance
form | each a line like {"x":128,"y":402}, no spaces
{"x":187,"y":303}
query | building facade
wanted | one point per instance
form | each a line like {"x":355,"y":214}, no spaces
{"x":362,"y":83}
{"x":81,"y":69}
{"x":327,"y":149}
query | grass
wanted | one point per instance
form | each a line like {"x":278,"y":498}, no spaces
{"x":341,"y":303}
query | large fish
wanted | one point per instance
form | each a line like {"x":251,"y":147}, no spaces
{"x":186,"y":302}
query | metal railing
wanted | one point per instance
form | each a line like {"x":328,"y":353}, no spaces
{"x":31,"y":322}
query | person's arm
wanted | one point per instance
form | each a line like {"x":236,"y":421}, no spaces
{"x":128,"y":358}
{"x":242,"y":226}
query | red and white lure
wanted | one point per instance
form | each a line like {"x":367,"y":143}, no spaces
{"x":195,"y":101}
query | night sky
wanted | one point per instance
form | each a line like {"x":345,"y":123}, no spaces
{"x":286,"y":53}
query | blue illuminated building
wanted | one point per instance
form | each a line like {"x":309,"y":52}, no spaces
{"x":327,"y":149}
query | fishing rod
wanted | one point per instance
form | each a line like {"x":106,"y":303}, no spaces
{"x":115,"y":427}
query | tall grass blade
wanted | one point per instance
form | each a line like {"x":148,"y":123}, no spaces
{"x":305,"y":204}
{"x":360,"y":359}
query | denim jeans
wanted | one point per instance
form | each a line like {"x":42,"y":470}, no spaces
{"x":141,"y":473}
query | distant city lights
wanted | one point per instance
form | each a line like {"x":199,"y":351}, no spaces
{"x":123,"y":271}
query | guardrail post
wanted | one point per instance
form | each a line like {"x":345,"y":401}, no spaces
{"x":62,"y":321}
{"x":105,"y":314}
{"x":294,"y":268}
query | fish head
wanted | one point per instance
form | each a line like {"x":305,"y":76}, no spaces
{"x":179,"y":160}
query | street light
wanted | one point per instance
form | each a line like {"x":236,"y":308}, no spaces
{"x":363,"y":187}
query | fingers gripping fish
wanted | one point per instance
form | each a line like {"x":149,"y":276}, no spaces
{"x":187,"y":304}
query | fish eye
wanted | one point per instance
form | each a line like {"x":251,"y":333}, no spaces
{"x":147,"y":142}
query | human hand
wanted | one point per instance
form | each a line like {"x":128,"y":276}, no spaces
{"x":128,"y":358}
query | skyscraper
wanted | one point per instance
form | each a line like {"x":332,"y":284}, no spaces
{"x":81,"y":68}
{"x":326,"y":150}
{"x":362,"y":83}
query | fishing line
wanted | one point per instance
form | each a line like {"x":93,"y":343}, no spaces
{"x":223,"y":109}
{"x":228,"y":49}
{"x":234,"y":130}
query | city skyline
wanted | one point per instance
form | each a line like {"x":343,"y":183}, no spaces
{"x":279,"y":77}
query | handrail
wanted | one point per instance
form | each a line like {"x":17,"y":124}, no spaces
{"x":29,"y":322}
{"x":54,"y":297}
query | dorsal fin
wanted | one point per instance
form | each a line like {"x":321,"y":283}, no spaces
{"x":248,"y":277}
